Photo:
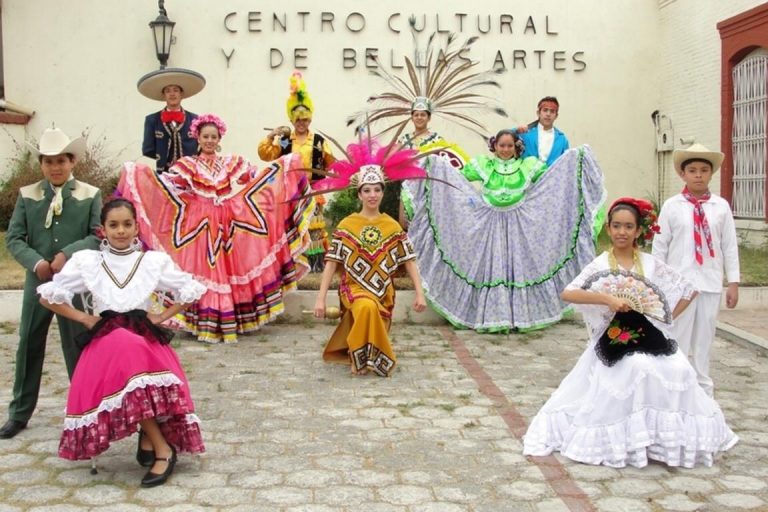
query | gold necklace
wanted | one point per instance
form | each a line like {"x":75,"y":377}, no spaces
{"x":118,"y":283}
{"x":637,"y":262}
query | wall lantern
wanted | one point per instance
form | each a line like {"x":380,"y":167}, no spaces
{"x":162,"y":30}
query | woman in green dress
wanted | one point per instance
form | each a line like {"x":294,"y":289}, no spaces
{"x":505,"y":176}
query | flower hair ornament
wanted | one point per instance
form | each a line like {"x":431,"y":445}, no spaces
{"x":440,"y":80}
{"x":204,"y":119}
{"x":648,"y":216}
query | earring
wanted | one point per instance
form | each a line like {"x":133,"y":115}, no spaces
{"x":104,"y":245}
{"x":136,"y":245}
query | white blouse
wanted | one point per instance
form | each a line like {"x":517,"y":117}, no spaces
{"x":130,"y":285}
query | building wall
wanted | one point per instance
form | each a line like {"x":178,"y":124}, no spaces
{"x":690,"y":73}
{"x":79,"y":67}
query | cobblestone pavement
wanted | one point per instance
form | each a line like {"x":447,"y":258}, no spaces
{"x":286,"y":432}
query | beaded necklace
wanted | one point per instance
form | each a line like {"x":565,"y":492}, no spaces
{"x":614,"y":264}
{"x":118,"y":283}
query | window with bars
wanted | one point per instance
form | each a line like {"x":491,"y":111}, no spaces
{"x":750,"y":137}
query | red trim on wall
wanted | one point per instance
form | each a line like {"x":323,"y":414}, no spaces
{"x":739,"y":35}
{"x":13,"y":118}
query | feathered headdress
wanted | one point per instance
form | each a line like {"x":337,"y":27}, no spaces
{"x":367,"y":162}
{"x":442,"y":81}
{"x":299,"y":104}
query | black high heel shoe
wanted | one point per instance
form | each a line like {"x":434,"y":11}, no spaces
{"x":154,"y":479}
{"x":145,"y":458}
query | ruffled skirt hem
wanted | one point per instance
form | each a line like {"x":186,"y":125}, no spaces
{"x":675,"y":438}
{"x":88,"y":435}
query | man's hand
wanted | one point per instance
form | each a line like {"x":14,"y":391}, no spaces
{"x":43,"y":271}
{"x":58,"y":262}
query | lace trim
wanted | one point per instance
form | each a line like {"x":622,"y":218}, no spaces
{"x":165,"y":379}
{"x":55,"y":294}
{"x":642,"y":435}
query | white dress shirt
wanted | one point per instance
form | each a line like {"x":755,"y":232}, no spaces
{"x":675,"y":245}
{"x":546,"y":140}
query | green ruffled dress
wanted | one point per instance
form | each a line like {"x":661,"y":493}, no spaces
{"x":504,"y":181}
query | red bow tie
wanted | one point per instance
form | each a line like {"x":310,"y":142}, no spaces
{"x":168,"y":116}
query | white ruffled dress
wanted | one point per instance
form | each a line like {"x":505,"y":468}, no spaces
{"x":644,"y":407}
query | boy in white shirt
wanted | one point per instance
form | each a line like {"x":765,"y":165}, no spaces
{"x":698,"y":238}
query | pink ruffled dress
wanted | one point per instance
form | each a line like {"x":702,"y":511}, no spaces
{"x":126,"y":373}
{"x":239,"y":230}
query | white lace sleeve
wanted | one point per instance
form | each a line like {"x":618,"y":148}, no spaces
{"x":66,"y":283}
{"x":181,"y":284}
{"x":596,"y":316}
{"x":674,"y":286}
{"x":593,"y":267}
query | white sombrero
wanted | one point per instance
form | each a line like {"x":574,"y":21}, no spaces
{"x":152,"y":84}
{"x":53,"y":142}
{"x":697,"y":151}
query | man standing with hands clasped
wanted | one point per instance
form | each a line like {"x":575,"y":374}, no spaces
{"x":52,"y":219}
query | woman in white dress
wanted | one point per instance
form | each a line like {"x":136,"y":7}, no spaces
{"x":632,"y":396}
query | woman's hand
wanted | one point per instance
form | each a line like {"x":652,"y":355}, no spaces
{"x":617,"y":305}
{"x":155,"y":318}
{"x":89,"y":320}
{"x":319,"y":309}
{"x":419,"y":303}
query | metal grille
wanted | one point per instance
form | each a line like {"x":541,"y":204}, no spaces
{"x":750,"y":84}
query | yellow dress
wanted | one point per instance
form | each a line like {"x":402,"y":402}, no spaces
{"x":369,"y":251}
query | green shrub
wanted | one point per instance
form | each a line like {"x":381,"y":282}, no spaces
{"x":95,"y":168}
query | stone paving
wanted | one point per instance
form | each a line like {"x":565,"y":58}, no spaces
{"x":286,"y":432}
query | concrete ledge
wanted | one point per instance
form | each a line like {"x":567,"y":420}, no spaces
{"x":295,"y":303}
{"x":741,"y":337}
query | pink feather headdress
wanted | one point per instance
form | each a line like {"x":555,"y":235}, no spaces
{"x":369,"y":162}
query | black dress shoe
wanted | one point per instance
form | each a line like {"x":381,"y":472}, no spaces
{"x":145,"y":458}
{"x":11,"y":428}
{"x":153,"y":479}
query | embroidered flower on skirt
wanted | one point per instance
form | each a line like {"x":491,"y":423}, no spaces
{"x":622,"y":334}
{"x":632,"y":332}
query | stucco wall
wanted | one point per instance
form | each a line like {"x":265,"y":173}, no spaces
{"x":690,"y":71}
{"x":79,"y":66}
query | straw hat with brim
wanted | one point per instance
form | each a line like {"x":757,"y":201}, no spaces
{"x":54,"y":142}
{"x":698,"y":152}
{"x":152,"y":84}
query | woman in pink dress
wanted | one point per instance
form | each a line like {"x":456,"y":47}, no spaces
{"x":127,"y":375}
{"x":239,"y":230}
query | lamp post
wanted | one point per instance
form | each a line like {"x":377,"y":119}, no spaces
{"x":162,"y":30}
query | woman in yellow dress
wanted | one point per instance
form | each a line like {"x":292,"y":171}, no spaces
{"x":367,"y":247}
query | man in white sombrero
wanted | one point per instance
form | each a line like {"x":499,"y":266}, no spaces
{"x":52,"y":219}
{"x":698,"y":238}
{"x":166,"y":133}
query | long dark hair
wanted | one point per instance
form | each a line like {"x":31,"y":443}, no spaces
{"x":115,"y":203}
{"x":519,"y":145}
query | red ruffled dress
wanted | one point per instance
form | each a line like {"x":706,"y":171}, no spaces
{"x":127,"y":372}
{"x":239,"y":230}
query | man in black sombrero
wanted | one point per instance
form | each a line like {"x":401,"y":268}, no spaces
{"x":166,"y":133}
